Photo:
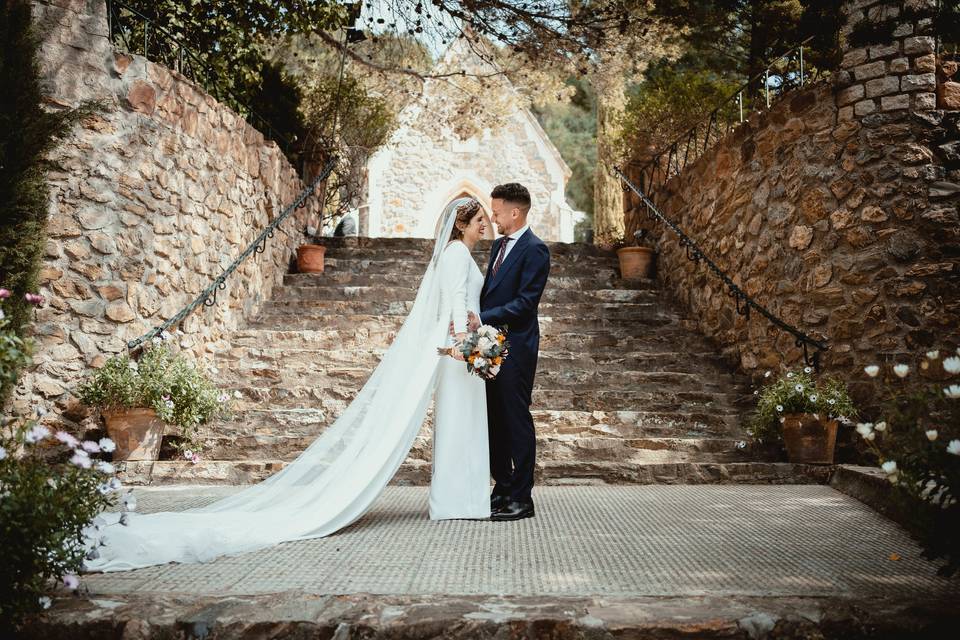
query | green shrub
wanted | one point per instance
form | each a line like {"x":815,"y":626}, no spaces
{"x":160,"y":380}
{"x":51,"y":488}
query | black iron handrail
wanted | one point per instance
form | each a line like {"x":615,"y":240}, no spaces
{"x":687,"y":147}
{"x":188,"y":63}
{"x":208,"y":297}
{"x":743,"y":301}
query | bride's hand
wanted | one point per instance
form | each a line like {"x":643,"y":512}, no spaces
{"x":456,"y":354}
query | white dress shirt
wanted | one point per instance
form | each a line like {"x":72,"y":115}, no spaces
{"x":513,"y":240}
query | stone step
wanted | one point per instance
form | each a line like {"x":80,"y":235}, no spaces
{"x":412,"y":267}
{"x":668,"y":338}
{"x":417,"y":472}
{"x":336,"y":391}
{"x":352,"y":246}
{"x":408,"y":293}
{"x":704,"y":363}
{"x":581,"y":282}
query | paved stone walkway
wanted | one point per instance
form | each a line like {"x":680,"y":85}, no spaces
{"x":730,"y":540}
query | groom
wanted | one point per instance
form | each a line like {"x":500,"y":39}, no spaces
{"x":516,"y":275}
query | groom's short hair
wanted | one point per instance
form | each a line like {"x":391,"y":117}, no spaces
{"x":514,"y":193}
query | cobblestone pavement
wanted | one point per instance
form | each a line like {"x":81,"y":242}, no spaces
{"x":728,"y":540}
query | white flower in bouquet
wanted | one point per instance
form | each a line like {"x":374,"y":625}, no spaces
{"x":954,"y":447}
{"x":951,"y":365}
{"x":488,"y":331}
{"x":107,"y":445}
{"x":901,"y":370}
{"x":952,"y":392}
{"x":479,"y":363}
{"x":485,"y":344}
{"x":872,"y":370}
{"x":931,"y":434}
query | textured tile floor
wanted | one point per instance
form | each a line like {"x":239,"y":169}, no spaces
{"x":649,"y":540}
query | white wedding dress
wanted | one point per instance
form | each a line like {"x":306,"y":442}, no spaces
{"x":460,"y":484}
{"x":337,"y":478}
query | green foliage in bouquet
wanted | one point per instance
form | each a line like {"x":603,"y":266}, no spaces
{"x":50,"y":489}
{"x":798,"y":392}
{"x":161,"y":380}
{"x":916,"y":440}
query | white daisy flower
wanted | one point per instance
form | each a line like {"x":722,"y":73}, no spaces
{"x":36,"y":434}
{"x":107,"y":445}
{"x":780,"y":407}
{"x":807,"y":370}
{"x":951,"y":365}
{"x":70,"y":581}
{"x":67,"y":439}
{"x":105,"y":467}
{"x":81,"y":459}
{"x":813,"y":398}
{"x":45,"y":602}
{"x":90,"y":446}
{"x":789,"y":374}
{"x":798,"y":388}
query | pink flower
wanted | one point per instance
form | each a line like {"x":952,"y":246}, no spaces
{"x":5,"y":293}
{"x":195,"y":459}
{"x":70,"y":581}
{"x":33,"y":298}
{"x":81,"y":459}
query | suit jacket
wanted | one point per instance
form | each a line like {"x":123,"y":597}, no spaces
{"x":511,"y":297}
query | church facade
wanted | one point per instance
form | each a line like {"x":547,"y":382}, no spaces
{"x":425,"y":165}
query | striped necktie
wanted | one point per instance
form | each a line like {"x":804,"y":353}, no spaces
{"x":503,"y":252}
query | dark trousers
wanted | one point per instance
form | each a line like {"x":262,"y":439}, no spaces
{"x":513,"y":441}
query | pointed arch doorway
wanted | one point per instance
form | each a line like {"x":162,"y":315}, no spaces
{"x":466,"y":189}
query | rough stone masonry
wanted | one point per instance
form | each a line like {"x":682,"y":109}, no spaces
{"x":836,"y":209}
{"x":149,"y":201}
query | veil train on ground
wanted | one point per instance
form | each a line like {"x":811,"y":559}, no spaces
{"x":331,"y":484}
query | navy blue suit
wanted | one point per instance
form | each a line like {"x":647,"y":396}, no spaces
{"x":510,"y":299}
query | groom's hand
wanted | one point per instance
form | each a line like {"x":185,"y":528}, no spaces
{"x":473,"y":322}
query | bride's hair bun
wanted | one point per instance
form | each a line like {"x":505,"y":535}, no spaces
{"x":464,"y":214}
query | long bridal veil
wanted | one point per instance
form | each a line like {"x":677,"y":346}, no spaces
{"x":331,"y":484}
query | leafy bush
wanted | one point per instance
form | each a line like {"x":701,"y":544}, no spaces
{"x":916,"y":439}
{"x":798,"y":392}
{"x":51,"y":488}
{"x":160,"y":380}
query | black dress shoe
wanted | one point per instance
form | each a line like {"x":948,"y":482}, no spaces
{"x":513,"y":510}
{"x":497,"y":503}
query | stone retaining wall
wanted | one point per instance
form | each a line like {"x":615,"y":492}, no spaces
{"x":150,"y":200}
{"x":837,"y":209}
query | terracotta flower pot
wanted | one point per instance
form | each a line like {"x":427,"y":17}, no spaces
{"x":137,"y":433}
{"x":310,"y":258}
{"x":809,"y":439}
{"x":635,"y":262}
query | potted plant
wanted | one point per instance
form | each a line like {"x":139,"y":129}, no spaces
{"x":803,"y":413}
{"x":137,"y":399}
{"x":636,"y":261}
{"x":310,"y":256}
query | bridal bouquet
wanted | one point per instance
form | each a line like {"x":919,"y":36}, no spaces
{"x":484,"y":350}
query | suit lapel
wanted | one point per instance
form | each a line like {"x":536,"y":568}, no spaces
{"x":511,"y":258}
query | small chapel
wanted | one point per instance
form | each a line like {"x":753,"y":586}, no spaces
{"x":425,"y":165}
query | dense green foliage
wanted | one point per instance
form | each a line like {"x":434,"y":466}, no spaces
{"x":27,"y":133}
{"x":166,"y":382}
{"x":50,"y":489}
{"x":572,"y":127}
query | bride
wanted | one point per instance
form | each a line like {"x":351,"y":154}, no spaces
{"x":336,"y":479}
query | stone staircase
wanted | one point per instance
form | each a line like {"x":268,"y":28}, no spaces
{"x":626,"y":389}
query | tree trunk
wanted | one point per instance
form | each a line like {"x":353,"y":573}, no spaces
{"x":608,"y":215}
